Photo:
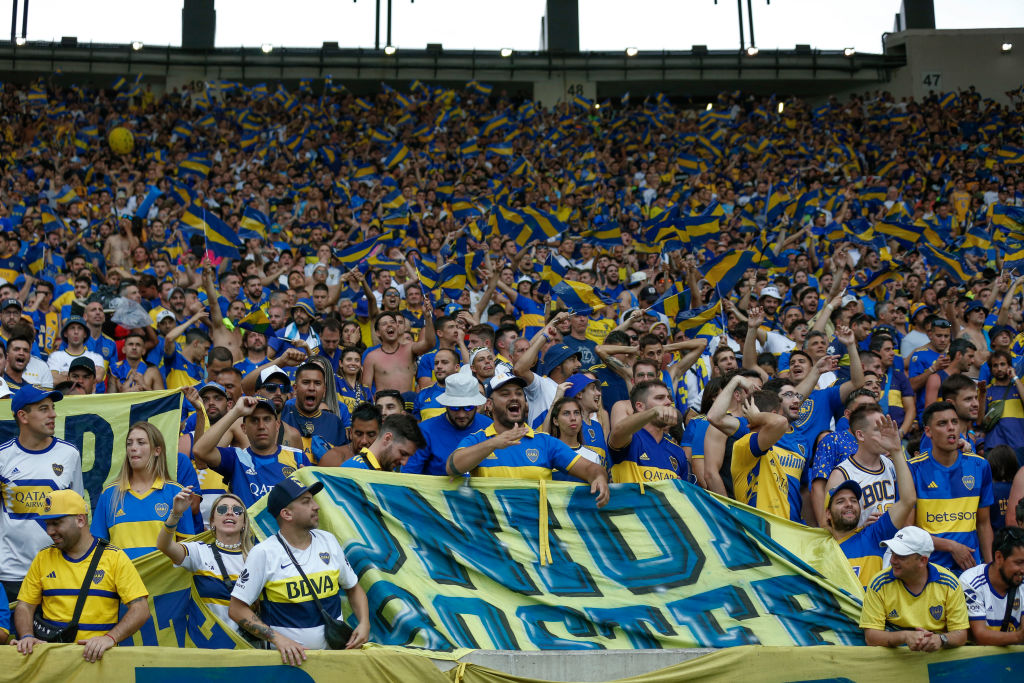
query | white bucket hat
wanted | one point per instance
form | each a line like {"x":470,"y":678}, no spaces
{"x":461,"y":389}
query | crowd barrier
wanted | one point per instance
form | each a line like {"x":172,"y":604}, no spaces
{"x":391,"y":665}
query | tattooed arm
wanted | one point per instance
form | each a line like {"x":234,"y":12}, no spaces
{"x":291,"y":652}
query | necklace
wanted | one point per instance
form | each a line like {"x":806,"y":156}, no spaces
{"x":229,"y":546}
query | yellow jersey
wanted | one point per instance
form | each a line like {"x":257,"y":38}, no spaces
{"x":939,"y":608}
{"x":54,"y":580}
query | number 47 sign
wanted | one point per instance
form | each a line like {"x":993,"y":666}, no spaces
{"x":931,"y":79}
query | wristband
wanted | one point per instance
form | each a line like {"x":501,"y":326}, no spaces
{"x":172,"y":525}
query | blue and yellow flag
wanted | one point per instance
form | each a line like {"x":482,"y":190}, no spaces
{"x":196,"y":164}
{"x":725,"y":271}
{"x":946,"y":262}
{"x":357,"y":252}
{"x":671,"y":304}
{"x":693,"y":321}
{"x":396,"y":156}
{"x":51,"y":221}
{"x":255,"y":220}
{"x":580,"y":298}
{"x":255,"y":321}
{"x":220,"y":238}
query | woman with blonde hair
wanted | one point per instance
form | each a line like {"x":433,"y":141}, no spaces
{"x":132,"y":510}
{"x":215,"y":566}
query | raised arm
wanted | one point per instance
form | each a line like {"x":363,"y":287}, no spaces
{"x":428,"y":338}
{"x":845,"y":335}
{"x":205,"y":447}
{"x":755,"y":318}
{"x":770,"y":427}
{"x":694,"y":350}
{"x":169,"y":344}
{"x":523,"y":366}
{"x":165,"y":542}
{"x":718,"y":413}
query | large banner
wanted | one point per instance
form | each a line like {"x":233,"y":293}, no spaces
{"x":98,"y":426}
{"x":450,"y":565}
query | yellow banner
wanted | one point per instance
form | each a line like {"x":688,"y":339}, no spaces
{"x":450,"y":565}
{"x":98,"y":426}
{"x":762,"y":664}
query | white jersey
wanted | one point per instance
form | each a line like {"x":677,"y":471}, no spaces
{"x":209,"y":580}
{"x":26,"y":477}
{"x":983,"y":604}
{"x":287,"y":603}
{"x":60,"y":361}
{"x":37,"y":372}
{"x":878,"y":488}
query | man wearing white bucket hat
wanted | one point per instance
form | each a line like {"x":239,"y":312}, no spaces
{"x":461,"y":399}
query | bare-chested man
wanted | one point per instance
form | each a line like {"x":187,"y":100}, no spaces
{"x":223,"y":331}
{"x":393,"y":365}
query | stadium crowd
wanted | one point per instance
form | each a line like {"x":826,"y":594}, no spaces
{"x":813,"y":310}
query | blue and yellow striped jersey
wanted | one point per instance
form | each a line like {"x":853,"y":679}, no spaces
{"x":948,"y":499}
{"x":55,"y":580}
{"x":208,"y":579}
{"x":1009,"y":431}
{"x":426,"y":403}
{"x":768,"y":480}
{"x":364,"y":460}
{"x":135,"y":522}
{"x":646,"y":459}
{"x":864,"y":550}
{"x":181,"y":372}
{"x":939,"y":608}
{"x":531,"y":315}
{"x":815,"y":416}
{"x":251,"y":476}
{"x":533,"y":457}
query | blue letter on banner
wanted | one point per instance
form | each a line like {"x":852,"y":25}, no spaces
{"x":679,"y":561}
{"x":473,"y":536}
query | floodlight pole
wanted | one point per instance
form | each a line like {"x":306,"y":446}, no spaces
{"x":14,"y":20}
{"x":750,"y":15}
{"x":376,"y":40}
{"x":389,"y":23}
{"x":739,"y":11}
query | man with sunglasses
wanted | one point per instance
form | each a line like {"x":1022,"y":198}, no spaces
{"x":273,"y":384}
{"x":461,"y":400}
{"x":990,"y":587}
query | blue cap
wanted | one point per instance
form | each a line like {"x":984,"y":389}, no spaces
{"x":74,"y":320}
{"x":213,"y":385}
{"x":287,"y":490}
{"x":579,"y":382}
{"x":975,"y":305}
{"x":451,"y":309}
{"x":30,"y":394}
{"x":848,"y":485}
{"x":307,"y":306}
{"x":555,"y":356}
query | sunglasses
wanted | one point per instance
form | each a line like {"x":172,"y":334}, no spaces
{"x":275,"y":388}
{"x":237,"y":509}
{"x":462,"y":409}
{"x":942,"y":324}
{"x":633,"y":337}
